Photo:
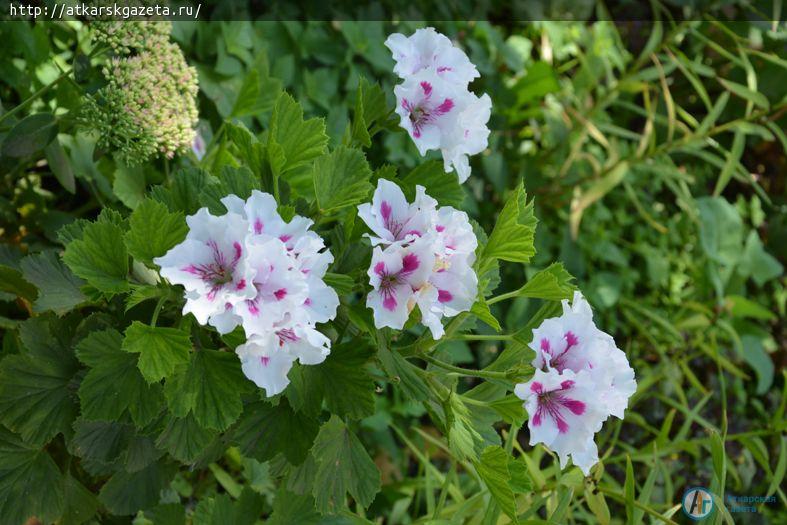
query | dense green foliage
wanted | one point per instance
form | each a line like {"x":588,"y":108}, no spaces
{"x":652,"y":155}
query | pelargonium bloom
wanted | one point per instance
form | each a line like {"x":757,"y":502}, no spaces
{"x":440,"y":240}
{"x":267,"y":359}
{"x":565,"y":413}
{"x":428,"y":49}
{"x":392,"y":218}
{"x":570,"y":347}
{"x":434,"y":103}
{"x":572,"y":341}
{"x":251,"y":268}
{"x":211,"y":264}
{"x":396,"y":274}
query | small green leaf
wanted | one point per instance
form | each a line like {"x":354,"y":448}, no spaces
{"x":343,"y":466}
{"x":210,"y":387}
{"x":222,"y":510}
{"x":60,"y":165}
{"x":266,"y":430}
{"x":462,"y":436}
{"x":31,"y":134}
{"x":481,"y":310}
{"x":233,"y":181}
{"x":755,"y":97}
{"x":512,"y":237}
{"x":553,"y":283}
{"x":129,"y":185}
{"x":59,"y":289}
{"x":183,"y":193}
{"x":153,"y":231}
{"x":442,"y":186}
{"x":341,"y":179}
{"x":100,"y":256}
{"x":161,"y":349}
{"x":408,"y":376}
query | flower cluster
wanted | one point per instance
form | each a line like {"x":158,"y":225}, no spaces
{"x":434,"y":103}
{"x":423,"y":256}
{"x":148,"y":106}
{"x":581,"y":379}
{"x":126,"y":36}
{"x":250,"y":268}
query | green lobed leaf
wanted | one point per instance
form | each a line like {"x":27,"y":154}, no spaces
{"x":408,"y":376}
{"x":80,"y":503}
{"x":183,"y":193}
{"x":267,"y":430}
{"x":160,"y":350}
{"x":341,"y":179}
{"x":293,"y":508}
{"x":153,"y":230}
{"x":343,"y":466}
{"x":553,"y":283}
{"x":104,"y":443}
{"x":184,"y":438}
{"x":342,"y":380}
{"x":100,"y":256}
{"x":210,"y":387}
{"x":292,"y":141}
{"x":126,"y":493}
{"x":35,"y":396}
{"x":30,"y":482}
{"x":493,"y":468}
{"x":512,"y":237}
{"x":114,"y":383}
{"x":222,"y":510}
{"x":59,"y":289}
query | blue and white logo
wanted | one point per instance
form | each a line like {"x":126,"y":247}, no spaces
{"x":697,"y":503}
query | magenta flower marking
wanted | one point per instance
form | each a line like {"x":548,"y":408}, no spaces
{"x":425,"y":112}
{"x":553,"y":403}
{"x":265,"y":360}
{"x":287,"y":335}
{"x":258,"y":226}
{"x":558,"y":361}
{"x":280,"y":294}
{"x":444,"y":296}
{"x":217,"y":273}
{"x":389,"y":281}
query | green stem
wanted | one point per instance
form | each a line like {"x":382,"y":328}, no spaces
{"x":480,"y":337}
{"x":159,"y":305}
{"x":33,"y":97}
{"x":503,"y":297}
{"x":484,"y":374}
